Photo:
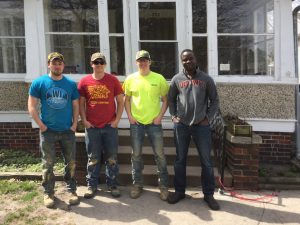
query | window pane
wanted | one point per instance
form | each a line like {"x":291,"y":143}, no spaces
{"x":199,"y":16}
{"x":13,"y":51}
{"x":157,"y":21}
{"x":164,"y":58}
{"x":77,"y":50}
{"x":71,"y":16}
{"x":115,"y":16}
{"x":117,"y":55}
{"x":246,"y":55}
{"x":12,"y":18}
{"x":245,"y":16}
{"x":200,"y":50}
{"x":13,"y":58}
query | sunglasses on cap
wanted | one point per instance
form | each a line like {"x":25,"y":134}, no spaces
{"x":97,"y":62}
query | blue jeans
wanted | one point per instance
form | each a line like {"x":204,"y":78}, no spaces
{"x":102,"y":145}
{"x":155,"y":135}
{"x":68,"y":146}
{"x":201,"y":135}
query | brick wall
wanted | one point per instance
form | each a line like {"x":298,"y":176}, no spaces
{"x":277,"y":148}
{"x":242,"y":162}
{"x":19,"y":136}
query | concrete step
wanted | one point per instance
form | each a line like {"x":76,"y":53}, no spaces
{"x":124,"y":155}
{"x":124,"y":138}
{"x":150,"y":168}
{"x":150,"y":175}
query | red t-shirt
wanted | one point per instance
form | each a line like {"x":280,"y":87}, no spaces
{"x":100,"y":98}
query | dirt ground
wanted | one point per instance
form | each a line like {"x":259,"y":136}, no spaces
{"x":15,"y":211}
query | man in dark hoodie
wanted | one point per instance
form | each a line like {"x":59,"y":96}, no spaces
{"x":193,"y":101}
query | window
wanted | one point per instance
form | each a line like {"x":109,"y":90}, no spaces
{"x":116,"y":36}
{"x":72,"y":29}
{"x":200,"y":32}
{"x":12,"y":37}
{"x":245,"y":37}
{"x":158,"y":35}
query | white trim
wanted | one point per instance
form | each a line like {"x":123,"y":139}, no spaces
{"x":265,"y":125}
{"x":212,"y":38}
{"x":35,"y":39}
{"x":12,"y":76}
{"x":14,"y":116}
{"x":182,"y":29}
{"x":287,"y":59}
{"x":272,"y":125}
{"x":127,"y":36}
{"x":253,"y":79}
{"x":104,"y":31}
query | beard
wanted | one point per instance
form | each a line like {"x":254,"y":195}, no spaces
{"x":56,"y":73}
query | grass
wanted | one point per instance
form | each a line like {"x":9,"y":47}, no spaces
{"x":278,"y":171}
{"x":26,"y":195}
{"x":21,"y":161}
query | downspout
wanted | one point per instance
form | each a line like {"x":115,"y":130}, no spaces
{"x":295,"y":13}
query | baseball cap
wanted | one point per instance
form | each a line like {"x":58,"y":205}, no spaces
{"x":142,"y":54}
{"x":97,"y":55}
{"x":55,"y":55}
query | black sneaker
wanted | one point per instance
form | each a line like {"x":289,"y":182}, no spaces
{"x":211,"y":202}
{"x":175,"y":197}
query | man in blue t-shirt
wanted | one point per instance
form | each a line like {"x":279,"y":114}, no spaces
{"x":58,"y":97}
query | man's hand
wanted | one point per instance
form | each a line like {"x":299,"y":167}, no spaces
{"x":114,"y":124}
{"x":157,"y":121}
{"x":73,"y":127}
{"x":43,"y":128}
{"x":175,"y":119}
{"x":132,"y":120}
{"x":87,"y":124}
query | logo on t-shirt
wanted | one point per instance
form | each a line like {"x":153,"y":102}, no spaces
{"x":99,"y":94}
{"x":57,"y":98}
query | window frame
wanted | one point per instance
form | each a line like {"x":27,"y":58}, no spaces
{"x":15,"y":76}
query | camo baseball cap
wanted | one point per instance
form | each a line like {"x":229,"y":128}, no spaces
{"x":55,"y":55}
{"x":97,"y":55}
{"x":142,"y":54}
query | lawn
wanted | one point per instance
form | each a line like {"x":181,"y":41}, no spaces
{"x":21,"y":161}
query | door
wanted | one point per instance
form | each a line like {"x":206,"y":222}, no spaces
{"x":155,"y":29}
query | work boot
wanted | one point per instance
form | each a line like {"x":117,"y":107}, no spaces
{"x":115,"y":192}
{"x":90,"y":192}
{"x":175,"y":197}
{"x":211,"y":202}
{"x":49,"y":200}
{"x":73,"y":198}
{"x":136,"y":191}
{"x":164,"y":193}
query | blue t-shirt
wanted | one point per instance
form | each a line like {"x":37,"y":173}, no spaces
{"x":56,"y":98}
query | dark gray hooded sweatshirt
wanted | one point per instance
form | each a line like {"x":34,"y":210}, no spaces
{"x":193,"y":99}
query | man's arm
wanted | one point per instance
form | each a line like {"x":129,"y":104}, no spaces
{"x":75,"y":105}
{"x":32,"y":105}
{"x":213,"y":99}
{"x":132,"y":120}
{"x":172,"y":101}
{"x":163,"y":109}
{"x":82,"y":112}
{"x":120,"y":108}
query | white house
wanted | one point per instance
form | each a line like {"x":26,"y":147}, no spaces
{"x":247,"y":46}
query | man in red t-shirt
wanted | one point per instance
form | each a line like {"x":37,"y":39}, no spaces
{"x":101,"y":107}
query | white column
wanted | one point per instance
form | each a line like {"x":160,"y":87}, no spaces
{"x":212,"y":38}
{"x":104,"y":30}
{"x":287,"y":70}
{"x":127,"y":37}
{"x":35,"y":39}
